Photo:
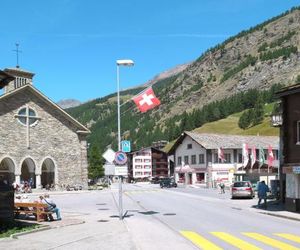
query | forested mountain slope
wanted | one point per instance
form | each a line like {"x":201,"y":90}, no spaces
{"x":224,"y":80}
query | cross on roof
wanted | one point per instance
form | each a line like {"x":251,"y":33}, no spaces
{"x":17,"y":53}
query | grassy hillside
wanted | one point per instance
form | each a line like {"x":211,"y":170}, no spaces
{"x":229,"y":125}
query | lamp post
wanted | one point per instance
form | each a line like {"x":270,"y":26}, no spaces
{"x":127,"y":63}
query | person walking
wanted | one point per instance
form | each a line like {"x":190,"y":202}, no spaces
{"x":262,"y":193}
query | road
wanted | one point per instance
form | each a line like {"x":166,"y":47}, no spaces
{"x":155,"y":218}
{"x":213,"y":220}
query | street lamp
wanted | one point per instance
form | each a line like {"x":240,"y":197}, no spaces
{"x":127,"y":63}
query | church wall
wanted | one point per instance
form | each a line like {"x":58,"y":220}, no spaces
{"x":53,"y":136}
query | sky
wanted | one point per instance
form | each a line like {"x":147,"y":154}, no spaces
{"x":72,"y":45}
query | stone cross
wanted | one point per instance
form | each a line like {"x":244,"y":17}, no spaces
{"x":29,"y":119}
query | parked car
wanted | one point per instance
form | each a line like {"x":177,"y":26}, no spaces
{"x":155,"y":180}
{"x":167,"y":182}
{"x":241,"y":189}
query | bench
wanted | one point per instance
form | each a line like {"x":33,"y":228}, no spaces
{"x":35,"y":208}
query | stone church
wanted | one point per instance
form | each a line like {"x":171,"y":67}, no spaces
{"x":38,"y":139}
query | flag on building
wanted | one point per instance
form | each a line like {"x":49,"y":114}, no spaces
{"x":221,"y":154}
{"x":146,"y":100}
{"x":270,"y":156}
{"x":261,"y":156}
{"x":245,"y":154}
{"x":253,"y":156}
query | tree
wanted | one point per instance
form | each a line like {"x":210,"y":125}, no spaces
{"x":95,"y":169}
{"x":258,"y":112}
{"x":245,"y":119}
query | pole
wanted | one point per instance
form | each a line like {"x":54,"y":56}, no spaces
{"x":119,"y":143}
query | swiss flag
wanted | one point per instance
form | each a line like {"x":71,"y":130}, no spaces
{"x":146,"y":100}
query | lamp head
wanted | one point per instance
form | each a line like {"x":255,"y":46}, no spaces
{"x":125,"y":62}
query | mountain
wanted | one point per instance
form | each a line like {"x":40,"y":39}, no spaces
{"x":226,"y":79}
{"x":68,"y":103}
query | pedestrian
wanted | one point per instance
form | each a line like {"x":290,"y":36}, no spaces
{"x":51,"y":205}
{"x":222,"y":188}
{"x":262,"y":193}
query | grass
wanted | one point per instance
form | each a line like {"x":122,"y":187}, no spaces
{"x":229,"y":125}
{"x":8,"y":229}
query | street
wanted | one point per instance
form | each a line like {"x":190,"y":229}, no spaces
{"x":155,"y":218}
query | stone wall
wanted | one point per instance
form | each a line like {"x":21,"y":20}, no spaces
{"x":53,"y":137}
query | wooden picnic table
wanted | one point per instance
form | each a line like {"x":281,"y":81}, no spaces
{"x":39,"y":210}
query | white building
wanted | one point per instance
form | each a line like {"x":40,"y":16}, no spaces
{"x":196,"y":156}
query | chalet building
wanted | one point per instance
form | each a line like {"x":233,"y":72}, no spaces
{"x":197,"y":161}
{"x":290,"y":144}
{"x":146,"y":163}
{"x":39,"y":140}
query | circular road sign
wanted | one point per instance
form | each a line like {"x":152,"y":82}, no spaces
{"x":120,"y":158}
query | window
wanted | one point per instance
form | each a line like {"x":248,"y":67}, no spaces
{"x":189,"y":146}
{"x":227,"y":158}
{"x":147,"y":160}
{"x":179,"y":160}
{"x":216,"y":159}
{"x":138,"y":166}
{"x":298,"y":133}
{"x":240,"y":159}
{"x":138,"y":160}
{"x":201,"y":158}
{"x":193,"y":159}
{"x":186,"y":159}
{"x":27,"y":113}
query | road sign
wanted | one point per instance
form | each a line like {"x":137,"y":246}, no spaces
{"x":109,"y":155}
{"x":125,"y":146}
{"x":121,"y":170}
{"x":120,"y":158}
{"x":296,"y":170}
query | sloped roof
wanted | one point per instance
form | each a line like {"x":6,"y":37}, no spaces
{"x":214,"y":141}
{"x":81,"y":128}
{"x":292,"y":89}
{"x":5,"y":78}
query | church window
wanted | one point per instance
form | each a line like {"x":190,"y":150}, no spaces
{"x":27,"y":113}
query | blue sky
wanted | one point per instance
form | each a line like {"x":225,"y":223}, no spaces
{"x":72,"y":45}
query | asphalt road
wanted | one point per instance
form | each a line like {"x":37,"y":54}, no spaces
{"x":205,"y":216}
{"x":155,"y":218}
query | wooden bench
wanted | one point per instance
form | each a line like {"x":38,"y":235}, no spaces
{"x":35,"y":208}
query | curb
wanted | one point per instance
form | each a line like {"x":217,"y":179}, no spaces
{"x":41,"y":228}
{"x":281,"y":216}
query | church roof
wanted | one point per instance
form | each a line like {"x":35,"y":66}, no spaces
{"x":5,"y":78}
{"x":81,"y":128}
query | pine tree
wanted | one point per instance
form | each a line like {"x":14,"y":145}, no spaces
{"x":95,"y":169}
{"x":258,"y":112}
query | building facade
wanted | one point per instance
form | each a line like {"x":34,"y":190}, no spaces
{"x":147,"y":163}
{"x":197,"y":161}
{"x":40,"y":142}
{"x":290,"y":143}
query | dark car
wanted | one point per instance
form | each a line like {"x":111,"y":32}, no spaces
{"x":242,"y":189}
{"x":155,"y":180}
{"x":167,"y":182}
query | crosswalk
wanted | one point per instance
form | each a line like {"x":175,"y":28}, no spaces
{"x":244,"y":240}
{"x":140,"y":191}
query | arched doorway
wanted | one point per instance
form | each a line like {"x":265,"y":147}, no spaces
{"x":28,"y":171}
{"x":48,"y":173}
{"x":7,"y":170}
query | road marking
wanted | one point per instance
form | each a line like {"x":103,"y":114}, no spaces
{"x":200,"y":241}
{"x":240,"y":244}
{"x":291,"y":237}
{"x":269,"y":241}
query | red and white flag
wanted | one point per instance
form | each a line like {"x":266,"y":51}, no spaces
{"x":270,"y":156}
{"x":253,"y":156}
{"x":146,"y":100}
{"x":221,"y":154}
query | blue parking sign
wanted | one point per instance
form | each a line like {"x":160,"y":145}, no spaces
{"x":125,"y":146}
